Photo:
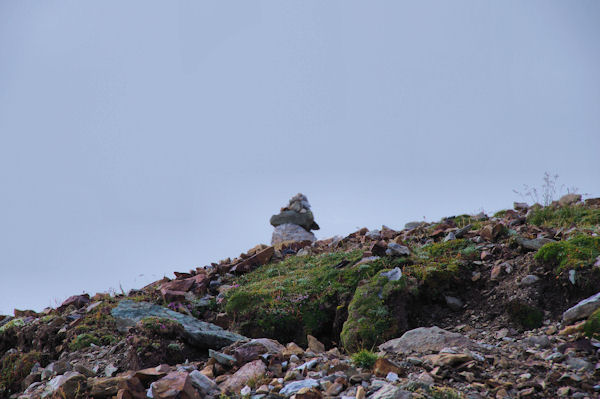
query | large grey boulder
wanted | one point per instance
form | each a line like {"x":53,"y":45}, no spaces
{"x":198,"y":333}
{"x":533,"y":244}
{"x":583,"y":309}
{"x":291,"y":232}
{"x":389,"y":391}
{"x":304,"y":219}
{"x":426,"y":339}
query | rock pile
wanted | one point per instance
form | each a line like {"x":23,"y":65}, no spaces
{"x":294,"y":222}
{"x":474,"y":306}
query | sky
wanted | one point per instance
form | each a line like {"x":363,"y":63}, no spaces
{"x":144,"y":137}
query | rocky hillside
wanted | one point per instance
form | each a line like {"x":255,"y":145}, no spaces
{"x":474,"y":306}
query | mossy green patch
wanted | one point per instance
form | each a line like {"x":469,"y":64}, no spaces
{"x":578,"y":252}
{"x":14,"y":323}
{"x":97,"y":327}
{"x":373,"y":314}
{"x":161,"y":326}
{"x":565,"y":216}
{"x":298,"y":296}
{"x":525,"y":315}
{"x":592,"y":325}
{"x":83,"y":341}
{"x":440,"y":263}
{"x":364,"y":358}
{"x":14,"y":368}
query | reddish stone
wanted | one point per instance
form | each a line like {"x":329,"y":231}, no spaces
{"x":175,"y":385}
{"x":251,"y":262}
{"x":146,"y":376}
{"x":200,"y":282}
{"x":24,"y":313}
{"x":378,"y":248}
{"x":110,"y":386}
{"x":78,"y":301}
{"x":495,"y":273}
{"x":592,"y":202}
{"x":253,"y":349}
{"x":172,"y":296}
{"x":491,"y":231}
{"x":388,"y":233}
{"x":384,"y":366}
{"x":178,"y":285}
{"x":237,"y":381}
{"x":308,"y":393}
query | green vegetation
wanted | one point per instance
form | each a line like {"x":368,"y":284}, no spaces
{"x":565,"y":216}
{"x":592,"y":325}
{"x":371,"y":316}
{"x":161,"y":326}
{"x":438,"y":263}
{"x":577,"y":252}
{"x":14,"y":368}
{"x":14,"y":323}
{"x":83,"y":341}
{"x":444,"y":393}
{"x":97,"y":327}
{"x":300,"y":295}
{"x":500,"y":214}
{"x":527,"y":316}
{"x":364,"y":358}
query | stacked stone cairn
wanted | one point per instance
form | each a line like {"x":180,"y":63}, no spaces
{"x":294,"y":222}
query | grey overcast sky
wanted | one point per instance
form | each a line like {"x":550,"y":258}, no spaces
{"x":140,"y":138}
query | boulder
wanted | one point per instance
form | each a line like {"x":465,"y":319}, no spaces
{"x":569,"y":199}
{"x":426,"y":339}
{"x":315,"y":345}
{"x":202,"y":383}
{"x":291,"y":232}
{"x":305,"y":220}
{"x":534,"y":244}
{"x":70,"y":385}
{"x":389,"y":391}
{"x":252,"y":370}
{"x":583,"y":309}
{"x":175,"y":385}
{"x":110,"y":386}
{"x":198,"y":333}
{"x":78,"y":301}
{"x":255,"y":348}
{"x":395,"y":249}
{"x":296,"y":386}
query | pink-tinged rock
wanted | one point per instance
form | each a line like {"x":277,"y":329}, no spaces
{"x":200,"y":283}
{"x":255,"y":348}
{"x":175,"y":385}
{"x":491,"y":232}
{"x":109,"y":386}
{"x":152,"y":374}
{"x":496,"y":271}
{"x":178,"y":285}
{"x":252,"y":370}
{"x":172,"y":296}
{"x":78,"y":301}
{"x":70,"y":385}
{"x":251,"y":262}
{"x":315,"y":345}
{"x":378,"y":248}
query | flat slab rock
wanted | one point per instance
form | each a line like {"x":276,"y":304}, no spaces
{"x":583,"y":309}
{"x":426,"y":339}
{"x":199,"y":333}
{"x":389,"y":391}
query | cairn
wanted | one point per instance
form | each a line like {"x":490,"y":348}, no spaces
{"x":294,"y":222}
